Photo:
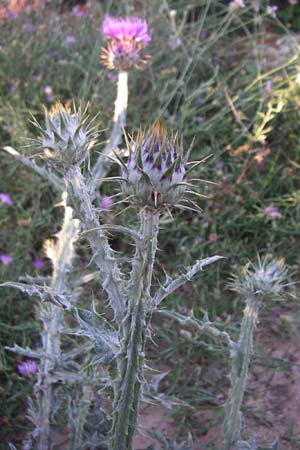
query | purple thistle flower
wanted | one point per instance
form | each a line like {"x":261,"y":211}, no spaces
{"x":28,"y":27}
{"x":6,"y":259}
{"x":106,"y":203}
{"x":38,"y":263}
{"x":219,"y":165}
{"x":128,"y":37}
{"x":10,"y":14}
{"x":70,"y":40}
{"x":198,"y":239}
{"x":48,"y":89}
{"x":5,"y":198}
{"x":155,"y":170}
{"x":200,"y":119}
{"x":79,"y":12}
{"x":272,"y":212}
{"x":271,"y":10}
{"x":236,"y":4}
{"x":128,"y":28}
{"x":268,"y":86}
{"x":27,"y":368}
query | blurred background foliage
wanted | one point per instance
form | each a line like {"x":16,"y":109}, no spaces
{"x":228,"y":78}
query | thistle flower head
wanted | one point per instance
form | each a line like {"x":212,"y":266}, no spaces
{"x":155,"y":174}
{"x":265,"y":279}
{"x":27,"y":368}
{"x":67,"y":136}
{"x":128,"y":28}
{"x":128,"y":37}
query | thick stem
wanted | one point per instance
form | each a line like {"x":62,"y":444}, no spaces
{"x":103,"y":163}
{"x":51,"y":316}
{"x":238,"y":375}
{"x":103,"y":254}
{"x":130,"y":359}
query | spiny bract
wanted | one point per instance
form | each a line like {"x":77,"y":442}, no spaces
{"x":155,"y":173}
{"x":265,"y":279}
{"x":67,"y":137}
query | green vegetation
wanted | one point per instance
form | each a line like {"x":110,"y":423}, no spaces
{"x":225,"y":78}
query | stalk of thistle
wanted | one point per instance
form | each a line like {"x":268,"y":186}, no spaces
{"x":61,"y":254}
{"x":154,"y":179}
{"x":127,"y":39}
{"x":256,"y":284}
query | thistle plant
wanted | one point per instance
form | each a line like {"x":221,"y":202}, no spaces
{"x":66,"y":140}
{"x":127,"y":38}
{"x":154,"y":179}
{"x":257,"y":284}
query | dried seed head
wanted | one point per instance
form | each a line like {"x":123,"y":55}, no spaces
{"x":265,"y":279}
{"x":155,"y":174}
{"x":67,"y":137}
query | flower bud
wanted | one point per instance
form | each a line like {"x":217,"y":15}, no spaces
{"x":155,"y":172}
{"x":67,"y":137}
{"x":265,"y":279}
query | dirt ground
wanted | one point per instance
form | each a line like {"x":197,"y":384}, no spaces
{"x":272,"y":402}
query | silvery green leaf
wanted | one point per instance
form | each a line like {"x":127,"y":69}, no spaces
{"x":25,"y":351}
{"x":246,"y":445}
{"x":44,"y":293}
{"x":172,"y":285}
{"x":154,"y":381}
{"x":273,"y":446}
{"x":35,"y":280}
{"x":12,"y":447}
{"x":98,"y":329}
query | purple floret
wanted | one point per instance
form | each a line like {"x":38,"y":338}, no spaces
{"x":119,"y":28}
{"x":27,"y":368}
{"x":5,"y":198}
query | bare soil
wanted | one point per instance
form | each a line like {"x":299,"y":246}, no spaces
{"x":272,"y":402}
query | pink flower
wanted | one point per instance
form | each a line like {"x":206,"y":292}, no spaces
{"x":6,"y":259}
{"x":79,"y":12}
{"x":236,"y":4}
{"x":5,"y":198}
{"x":106,"y":203}
{"x":272,"y":212}
{"x":293,"y":2}
{"x":38,"y":263}
{"x":268,"y":86}
{"x":27,"y":368}
{"x":128,"y":28}
{"x":127,"y":38}
{"x":271,"y":10}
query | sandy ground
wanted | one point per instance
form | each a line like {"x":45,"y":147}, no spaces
{"x":272,"y":401}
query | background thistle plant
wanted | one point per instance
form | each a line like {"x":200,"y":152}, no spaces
{"x":257,"y":283}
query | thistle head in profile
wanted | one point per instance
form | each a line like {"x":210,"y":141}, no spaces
{"x":67,"y":137}
{"x":265,"y":279}
{"x":155,"y":172}
{"x":127,"y":38}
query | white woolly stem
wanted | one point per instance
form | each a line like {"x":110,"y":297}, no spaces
{"x":102,"y":252}
{"x":51,"y":316}
{"x":103,"y":163}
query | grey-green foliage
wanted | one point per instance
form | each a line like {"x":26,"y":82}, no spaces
{"x":119,"y":343}
{"x":257,"y":283}
{"x":130,"y":296}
